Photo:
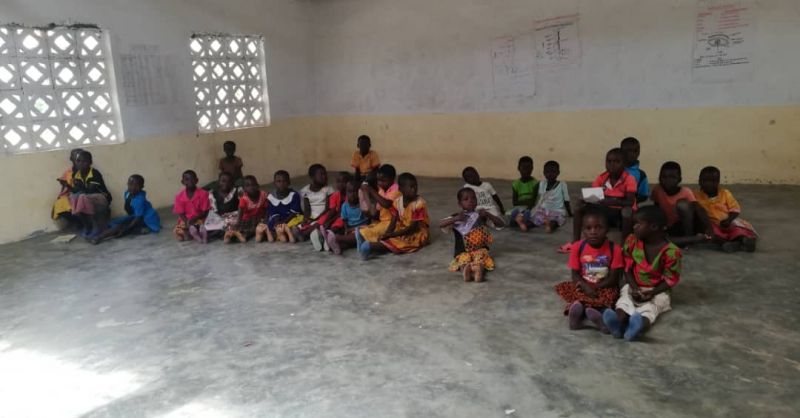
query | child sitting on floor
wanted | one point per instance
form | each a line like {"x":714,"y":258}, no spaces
{"x":364,"y":161}
{"x":379,"y":203}
{"x":722,"y":210}
{"x":223,"y":211}
{"x":61,"y":208}
{"x":191,"y":206}
{"x":684,"y":215}
{"x":283,"y":211}
{"x":652,"y":269}
{"x":553,"y":206}
{"x":596,"y":264}
{"x":523,"y":194}
{"x":89,"y":198}
{"x":352,"y":217}
{"x":473,"y":259}
{"x":315,"y":201}
{"x":408,"y":229}
{"x":487,"y":196}
{"x":141,"y":218}
{"x":619,"y":202}
{"x":331,"y":221}
{"x":252,"y":208}
{"x":631,"y":148}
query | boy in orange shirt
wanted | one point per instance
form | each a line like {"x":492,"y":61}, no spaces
{"x":729,"y":230}
{"x":684,"y":216}
{"x":365,"y":161}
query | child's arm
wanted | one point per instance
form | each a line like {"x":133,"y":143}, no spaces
{"x":327,"y":209}
{"x":410,"y":229}
{"x":582,"y":284}
{"x":306,"y":208}
{"x":499,"y":203}
{"x":200,"y":215}
{"x":373,"y":194}
{"x":725,"y":223}
{"x":450,"y":220}
{"x":612,"y":280}
{"x":568,"y":208}
{"x":498,"y":221}
{"x":392,"y":225}
{"x":514,"y":198}
{"x":628,"y":200}
{"x":238,"y":220}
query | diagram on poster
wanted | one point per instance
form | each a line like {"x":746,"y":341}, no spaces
{"x":723,"y":39}
{"x":557,"y":41}
{"x":513,"y":66}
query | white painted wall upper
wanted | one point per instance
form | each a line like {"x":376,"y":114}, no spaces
{"x":423,"y":56}
{"x":164,"y":27}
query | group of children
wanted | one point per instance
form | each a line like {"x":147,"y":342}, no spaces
{"x":621,"y":289}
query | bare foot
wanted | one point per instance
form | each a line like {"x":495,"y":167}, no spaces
{"x":478,"y":273}
{"x":290,"y":236}
{"x":270,"y":237}
{"x":520,"y":220}
{"x":467,"y":271}
{"x":548,"y":228}
{"x":227,"y":238}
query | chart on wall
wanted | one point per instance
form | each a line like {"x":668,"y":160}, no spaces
{"x":146,"y":76}
{"x":723,"y":42}
{"x":513,"y":66}
{"x":557,"y":42}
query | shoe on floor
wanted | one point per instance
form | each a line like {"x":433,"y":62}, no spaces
{"x":316,"y":240}
{"x":575,"y":315}
{"x":635,"y":326}
{"x":612,"y":323}
{"x":597,"y":319}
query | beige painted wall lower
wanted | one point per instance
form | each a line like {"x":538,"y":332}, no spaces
{"x":29,"y":187}
{"x":749,"y":144}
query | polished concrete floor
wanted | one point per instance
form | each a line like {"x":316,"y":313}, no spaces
{"x":146,"y":327}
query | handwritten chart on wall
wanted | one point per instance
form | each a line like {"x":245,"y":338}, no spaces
{"x":513,"y":66}
{"x":146,"y":76}
{"x":723,"y":39}
{"x":557,"y":42}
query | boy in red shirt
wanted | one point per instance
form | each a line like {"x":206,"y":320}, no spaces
{"x":619,"y":202}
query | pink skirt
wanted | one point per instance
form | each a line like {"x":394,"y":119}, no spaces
{"x":88,"y":204}
{"x":738,"y":229}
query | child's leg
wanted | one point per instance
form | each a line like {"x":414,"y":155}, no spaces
{"x":203,"y":234}
{"x":575,"y":315}
{"x":114,"y":232}
{"x":467,"y":272}
{"x":637,"y":325}
{"x":477,"y":272}
{"x":550,"y":226}
{"x":261,"y":232}
{"x":520,"y":220}
{"x":290,"y":235}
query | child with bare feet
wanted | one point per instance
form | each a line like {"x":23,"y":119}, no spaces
{"x":523,"y":194}
{"x":473,"y":260}
{"x":252,"y":207}
{"x":552,"y":209}
{"x":283,"y":212}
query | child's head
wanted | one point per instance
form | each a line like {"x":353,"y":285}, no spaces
{"x":595,"y":227}
{"x":83,"y":161}
{"x":670,"y":176}
{"x":229,"y":147}
{"x":615,"y":161}
{"x":471,"y":176}
{"x":386,"y":176}
{"x":407,"y":184}
{"x":225,"y":182}
{"x":281,"y":181}
{"x":318,"y":175}
{"x":189,"y":179}
{"x":649,"y":222}
{"x":630,"y":146}
{"x":525,"y":167}
{"x":251,"y":186}
{"x":73,"y":155}
{"x":352,"y":191}
{"x":709,"y":180}
{"x":551,"y":170}
{"x":342,"y":178}
{"x":364,"y":144}
{"x":467,"y":199}
{"x":135,"y":184}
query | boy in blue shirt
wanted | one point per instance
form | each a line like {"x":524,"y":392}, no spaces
{"x":631,"y":148}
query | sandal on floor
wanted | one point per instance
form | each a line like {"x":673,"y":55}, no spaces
{"x":566,"y":248}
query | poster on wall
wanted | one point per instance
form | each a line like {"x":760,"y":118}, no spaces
{"x":557,"y":42}
{"x":513,"y":67}
{"x":146,"y":76}
{"x":723,"y":42}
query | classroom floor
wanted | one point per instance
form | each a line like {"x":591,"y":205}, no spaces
{"x":151,"y":327}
